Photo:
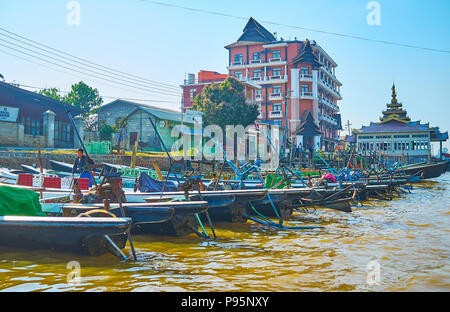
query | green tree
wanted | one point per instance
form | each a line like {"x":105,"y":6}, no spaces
{"x":225,"y":104}
{"x":84,"y":97}
{"x":105,"y":131}
{"x":52,"y":92}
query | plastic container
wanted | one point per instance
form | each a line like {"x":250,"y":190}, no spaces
{"x":52,"y":182}
{"x":83,"y":183}
{"x":25,"y":179}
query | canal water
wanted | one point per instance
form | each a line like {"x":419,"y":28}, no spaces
{"x":398,"y":245}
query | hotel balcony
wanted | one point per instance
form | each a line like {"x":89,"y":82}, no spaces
{"x":306,"y":95}
{"x":275,"y":96}
{"x":275,"y":60}
{"x":306,"y":77}
{"x":257,"y":63}
{"x":276,"y":114}
{"x":330,"y":89}
{"x":330,"y":73}
{"x":329,"y":103}
{"x":257,"y":78}
{"x":328,"y":119}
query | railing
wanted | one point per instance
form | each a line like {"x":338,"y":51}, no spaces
{"x":256,"y":78}
{"x":327,"y":118}
{"x":275,"y":114}
{"x":275,"y":96}
{"x":330,"y":87}
{"x":329,"y":103}
{"x":275,"y":59}
{"x":237,"y":63}
{"x":275,"y":77}
{"x":305,"y":76}
{"x":258,"y":97}
{"x":306,"y":94}
{"x":255,"y":61}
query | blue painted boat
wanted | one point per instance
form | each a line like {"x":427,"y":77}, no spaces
{"x":177,"y":218}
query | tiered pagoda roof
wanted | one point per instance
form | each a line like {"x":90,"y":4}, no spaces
{"x":395,"y":119}
{"x":306,"y":55}
{"x":307,"y":127}
{"x":394,"y":110}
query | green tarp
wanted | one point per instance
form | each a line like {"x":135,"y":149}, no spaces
{"x":19,"y":202}
{"x":272,"y":180}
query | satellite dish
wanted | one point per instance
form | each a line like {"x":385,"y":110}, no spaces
{"x":445,"y":150}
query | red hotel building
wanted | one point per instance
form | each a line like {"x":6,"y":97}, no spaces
{"x":296,"y":74}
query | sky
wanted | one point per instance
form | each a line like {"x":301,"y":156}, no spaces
{"x":163,"y":43}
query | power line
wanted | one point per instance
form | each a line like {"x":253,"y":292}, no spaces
{"x":405,"y":45}
{"x":153,"y":89}
{"x":103,"y":96}
{"x":111,"y":70}
{"x":69,"y":73}
{"x":75,"y":70}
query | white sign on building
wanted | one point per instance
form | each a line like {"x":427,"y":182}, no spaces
{"x":9,"y":113}
{"x":193,"y":116}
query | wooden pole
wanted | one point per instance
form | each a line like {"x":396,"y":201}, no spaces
{"x":158,"y":171}
{"x":133,"y":155}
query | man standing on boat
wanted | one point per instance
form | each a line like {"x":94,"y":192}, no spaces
{"x":80,"y":165}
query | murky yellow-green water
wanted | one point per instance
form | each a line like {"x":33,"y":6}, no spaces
{"x":408,"y":237}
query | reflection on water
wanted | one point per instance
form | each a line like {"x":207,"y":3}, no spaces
{"x":408,"y":237}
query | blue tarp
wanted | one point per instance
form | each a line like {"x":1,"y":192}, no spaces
{"x":146,"y":184}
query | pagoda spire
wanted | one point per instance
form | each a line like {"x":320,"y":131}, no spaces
{"x":394,"y":110}
{"x":394,"y":94}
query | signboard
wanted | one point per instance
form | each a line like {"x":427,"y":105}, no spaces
{"x":163,"y":123}
{"x":193,"y":116}
{"x":9,"y":113}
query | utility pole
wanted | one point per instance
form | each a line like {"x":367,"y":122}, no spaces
{"x":348,"y":124}
{"x":286,"y":108}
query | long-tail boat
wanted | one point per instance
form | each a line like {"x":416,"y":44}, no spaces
{"x":165,"y":218}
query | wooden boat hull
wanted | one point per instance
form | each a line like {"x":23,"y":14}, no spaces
{"x":428,"y":171}
{"x":76,"y":235}
{"x":165,"y":218}
{"x":223,"y":206}
{"x":60,"y":166}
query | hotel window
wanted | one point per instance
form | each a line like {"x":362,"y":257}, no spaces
{"x":305,"y":88}
{"x":276,"y":55}
{"x":276,"y":72}
{"x":256,"y":56}
{"x":276,"y":90}
{"x":305,"y":70}
{"x":238,"y":74}
{"x":257,"y":73}
{"x":277,"y":107}
{"x":238,"y":59}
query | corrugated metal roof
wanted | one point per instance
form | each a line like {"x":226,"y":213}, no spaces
{"x":162,"y":114}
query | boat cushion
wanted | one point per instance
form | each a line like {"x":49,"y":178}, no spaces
{"x":19,"y":202}
{"x":145,"y":184}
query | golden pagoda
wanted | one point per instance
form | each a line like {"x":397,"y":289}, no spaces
{"x":394,"y":110}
